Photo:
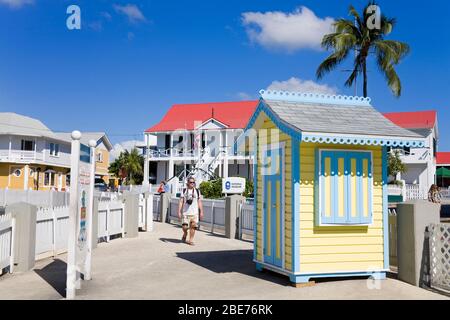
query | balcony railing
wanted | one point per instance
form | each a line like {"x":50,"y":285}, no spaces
{"x":20,"y":156}
{"x":191,"y":153}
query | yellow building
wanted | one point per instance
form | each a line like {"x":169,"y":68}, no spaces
{"x":321,"y":185}
{"x":102,"y":151}
{"x":34,"y":157}
{"x":31,"y":155}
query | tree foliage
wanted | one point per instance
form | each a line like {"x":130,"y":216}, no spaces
{"x":131,"y":165}
{"x":395,"y":164}
{"x":355,"y":36}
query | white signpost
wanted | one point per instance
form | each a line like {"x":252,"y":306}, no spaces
{"x":82,"y":175}
{"x":233,"y":185}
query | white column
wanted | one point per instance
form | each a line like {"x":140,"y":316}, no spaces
{"x":171,"y":164}
{"x":88,"y":261}
{"x":44,"y":149}
{"x":73,"y":214}
{"x":171,"y":144}
{"x":26,"y":176}
{"x":225,"y":158}
{"x":146,"y":164}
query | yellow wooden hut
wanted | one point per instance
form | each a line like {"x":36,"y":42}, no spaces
{"x":320,"y":184}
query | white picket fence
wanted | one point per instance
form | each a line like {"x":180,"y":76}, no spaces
{"x":5,"y":239}
{"x":214,"y":216}
{"x":34,"y":197}
{"x":110,"y":219}
{"x":246,"y":212}
{"x":51,"y":231}
{"x":414,"y":192}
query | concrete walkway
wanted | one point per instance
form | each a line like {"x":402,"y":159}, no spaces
{"x":157,"y":265}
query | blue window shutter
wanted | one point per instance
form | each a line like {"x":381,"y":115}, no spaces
{"x":337,"y":196}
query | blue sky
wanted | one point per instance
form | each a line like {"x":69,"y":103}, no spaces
{"x":132,"y":60}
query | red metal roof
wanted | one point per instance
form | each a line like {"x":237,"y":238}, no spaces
{"x":443,"y":158}
{"x":235,"y":115}
{"x":413,"y":120}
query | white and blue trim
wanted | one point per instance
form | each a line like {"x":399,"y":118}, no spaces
{"x":304,"y":277}
{"x":330,"y":138}
{"x":360,"y":140}
{"x":255,"y":198}
{"x":332,"y":218}
{"x":315,"y":98}
{"x":295,"y":199}
{"x":283,"y":126}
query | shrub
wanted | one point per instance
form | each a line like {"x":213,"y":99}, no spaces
{"x":211,"y":189}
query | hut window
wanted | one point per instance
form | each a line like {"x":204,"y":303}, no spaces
{"x":345,"y":187}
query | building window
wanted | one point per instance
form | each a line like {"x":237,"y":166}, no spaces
{"x":49,"y":178}
{"x":27,"y":145}
{"x":32,"y":171}
{"x":99,"y":157}
{"x":54,"y":149}
{"x":345,"y":187}
{"x":17,"y":173}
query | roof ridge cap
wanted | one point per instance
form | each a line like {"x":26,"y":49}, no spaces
{"x":314,"y":98}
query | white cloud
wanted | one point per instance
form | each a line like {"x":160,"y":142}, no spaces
{"x":106,"y":15}
{"x":129,"y":145}
{"x":131,"y":11}
{"x":300,"y":29}
{"x":15,"y":4}
{"x":122,"y":146}
{"x":298,"y":85}
{"x":245,"y":96}
{"x":130,"y":36}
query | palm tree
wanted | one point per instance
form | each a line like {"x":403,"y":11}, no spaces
{"x":355,"y":36}
{"x":131,"y":163}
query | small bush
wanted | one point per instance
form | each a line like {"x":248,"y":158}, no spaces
{"x":211,"y":189}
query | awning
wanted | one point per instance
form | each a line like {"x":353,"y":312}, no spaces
{"x":443,"y":173}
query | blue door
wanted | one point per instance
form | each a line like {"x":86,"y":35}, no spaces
{"x":273,"y":215}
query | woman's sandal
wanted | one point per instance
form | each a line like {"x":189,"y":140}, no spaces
{"x":191,"y":243}
{"x":183,"y":239}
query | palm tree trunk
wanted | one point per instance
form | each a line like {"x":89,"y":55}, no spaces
{"x":364,"y":64}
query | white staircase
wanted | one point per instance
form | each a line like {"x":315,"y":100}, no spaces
{"x":207,"y":165}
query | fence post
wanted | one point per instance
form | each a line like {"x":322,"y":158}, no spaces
{"x":212,"y":217}
{"x":24,"y":233}
{"x":107,"y":222}
{"x":231,"y":215}
{"x":148,"y":207}
{"x":165,"y":206}
{"x":55,"y":225}
{"x":131,"y":215}
{"x":240,"y":204}
{"x":95,"y":224}
{"x":413,"y":217}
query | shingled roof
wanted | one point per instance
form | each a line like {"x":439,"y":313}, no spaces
{"x":336,"y":119}
{"x":338,"y":115}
